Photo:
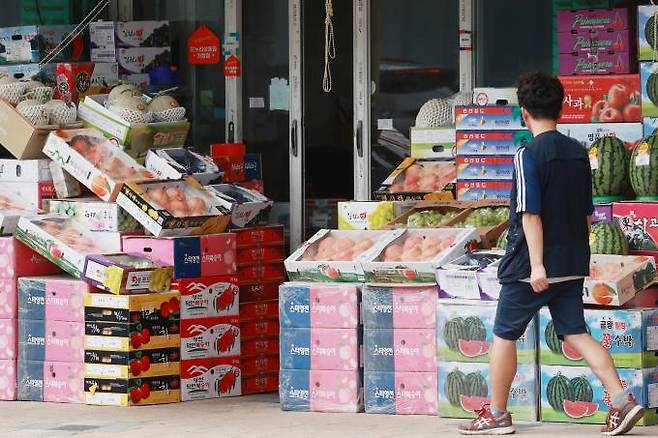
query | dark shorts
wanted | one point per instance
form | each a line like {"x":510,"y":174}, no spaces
{"x":518,"y":304}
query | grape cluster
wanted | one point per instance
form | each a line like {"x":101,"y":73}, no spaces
{"x":380,"y":216}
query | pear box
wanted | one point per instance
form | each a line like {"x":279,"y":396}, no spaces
{"x":614,"y":279}
{"x":334,"y":255}
{"x":65,"y":242}
{"x":248,"y":207}
{"x":94,"y":214}
{"x":135,"y":138}
{"x":412,"y":256}
{"x":628,"y":334}
{"x":471,"y":276}
{"x":177,"y":163}
{"x":464,"y":332}
{"x":364,"y":215}
{"x":464,"y":387}
{"x":174,"y":208}
{"x":127,"y":274}
{"x":94,"y":161}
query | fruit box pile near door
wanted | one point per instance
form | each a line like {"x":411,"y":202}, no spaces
{"x":417,"y":179}
{"x":614,"y":279}
{"x":625,"y":333}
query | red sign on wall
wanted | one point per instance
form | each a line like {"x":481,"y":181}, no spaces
{"x":231,"y":66}
{"x":203,"y":47}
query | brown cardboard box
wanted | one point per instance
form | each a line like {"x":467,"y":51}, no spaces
{"x":18,"y":136}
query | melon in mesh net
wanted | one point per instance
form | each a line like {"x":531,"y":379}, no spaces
{"x":11,"y":90}
{"x":37,"y":91}
{"x":61,"y":113}
{"x":435,"y":112}
{"x":34,"y":111}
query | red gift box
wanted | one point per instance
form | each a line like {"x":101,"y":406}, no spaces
{"x":260,"y":383}
{"x":259,"y":346}
{"x":230,"y":156}
{"x":270,"y":235}
{"x":261,"y":310}
{"x":259,"y":292}
{"x":260,"y":364}
{"x":259,"y":328}
{"x":260,"y":254}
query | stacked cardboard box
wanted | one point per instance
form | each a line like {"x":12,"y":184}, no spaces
{"x":319,"y":347}
{"x":239,"y":167}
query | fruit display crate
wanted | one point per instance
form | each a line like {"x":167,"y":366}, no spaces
{"x":430,"y":214}
{"x":419,"y":179}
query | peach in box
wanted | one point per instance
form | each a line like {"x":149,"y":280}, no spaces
{"x":94,"y":161}
{"x":176,"y":208}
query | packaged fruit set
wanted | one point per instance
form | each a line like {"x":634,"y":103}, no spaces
{"x":94,"y":161}
{"x":430,"y":214}
{"x":615,"y":279}
{"x":333,"y":255}
{"x":413,"y":179}
{"x":472,"y":276}
{"x":176,"y":208}
{"x":412,"y":256}
{"x":127,"y":274}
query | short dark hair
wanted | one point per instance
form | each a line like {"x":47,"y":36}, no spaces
{"x":541,"y":95}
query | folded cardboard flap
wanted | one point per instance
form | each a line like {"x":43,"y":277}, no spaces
{"x":18,"y":136}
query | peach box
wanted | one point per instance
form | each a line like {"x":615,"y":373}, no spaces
{"x":18,"y":260}
{"x":8,"y":339}
{"x":63,"y":382}
{"x":7,"y":379}
{"x":8,"y":298}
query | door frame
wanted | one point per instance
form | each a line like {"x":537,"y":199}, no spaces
{"x":296,"y":124}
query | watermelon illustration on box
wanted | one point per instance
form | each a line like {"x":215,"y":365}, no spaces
{"x":388,"y":307}
{"x":400,"y":393}
{"x":318,"y":305}
{"x":320,"y":391}
{"x":575,"y":395}
{"x":464,"y":387}
{"x":625,"y":333}
{"x":588,"y":133}
{"x":614,"y":280}
{"x":646,"y":31}
{"x":464,"y":333}
{"x":639,"y":222}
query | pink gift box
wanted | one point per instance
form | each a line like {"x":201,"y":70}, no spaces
{"x":334,"y":391}
{"x":17,"y":260}
{"x":64,"y":341}
{"x":7,"y":380}
{"x":415,"y":393}
{"x":8,"y":339}
{"x":414,"y":307}
{"x":601,"y":63}
{"x":592,"y":20}
{"x":334,"y":306}
{"x":8,"y":298}
{"x":65,"y":299}
{"x":414,"y":350}
{"x":63,"y":382}
{"x":334,"y":349}
{"x":586,"y":42}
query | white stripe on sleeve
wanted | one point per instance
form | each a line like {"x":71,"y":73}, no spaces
{"x":520,"y":182}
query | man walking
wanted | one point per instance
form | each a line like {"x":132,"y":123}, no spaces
{"x":547,"y":258}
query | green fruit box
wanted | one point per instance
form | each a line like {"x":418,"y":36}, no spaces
{"x":464,"y":332}
{"x":65,"y":242}
{"x":630,"y":335}
{"x":463,"y":387}
{"x":437,"y":143}
{"x":588,"y":133}
{"x":472,"y":276}
{"x":575,"y":395}
{"x":135,"y":138}
{"x":614,"y":279}
{"x":649,"y":86}
{"x":94,"y":214}
{"x":174,"y":208}
{"x":400,"y":259}
{"x":646,"y":22}
{"x":419,"y":179}
{"x":329,"y":255}
{"x":430,"y":214}
{"x":364,"y":215}
{"x":94,"y":161}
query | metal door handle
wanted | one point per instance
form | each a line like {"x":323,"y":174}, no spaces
{"x":358,"y":137}
{"x":293,"y":139}
{"x":231,"y":132}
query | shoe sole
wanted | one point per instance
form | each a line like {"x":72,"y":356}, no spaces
{"x":629,"y":421}
{"x":493,"y":431}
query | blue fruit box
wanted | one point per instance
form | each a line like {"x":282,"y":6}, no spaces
{"x":464,"y":387}
{"x":464,"y":332}
{"x":614,"y":280}
{"x":593,"y":401}
{"x":628,"y":334}
{"x":488,"y":143}
{"x":479,"y":118}
{"x":468,"y":190}
{"x":484,"y":168}
{"x":472,"y":276}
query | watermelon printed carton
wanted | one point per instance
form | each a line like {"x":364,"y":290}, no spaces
{"x":319,"y":349}
{"x":648,"y":80}
{"x":481,"y":190}
{"x":639,"y":221}
{"x":626,"y":333}
{"x":464,"y":332}
{"x":645,"y":22}
{"x":320,"y":391}
{"x":463,"y":387}
{"x":479,"y":118}
{"x":588,"y":133}
{"x":400,"y":393}
{"x":614,"y":280}
{"x":399,"y":350}
{"x":560,"y":383}
{"x":488,"y":143}
{"x":484,"y":168}
{"x":649,"y":126}
{"x":319,"y":305}
{"x":405,"y":307}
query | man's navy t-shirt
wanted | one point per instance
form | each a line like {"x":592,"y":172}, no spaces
{"x":552,"y":178}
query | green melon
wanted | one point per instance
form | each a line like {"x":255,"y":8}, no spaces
{"x":557,"y":391}
{"x":476,"y":385}
{"x":455,"y":386}
{"x":475,"y":330}
{"x":580,"y":390}
{"x":453,"y":331}
{"x":609,"y":160}
{"x":643,"y":169}
{"x":652,"y":88}
{"x":552,"y":340}
{"x":608,"y":238}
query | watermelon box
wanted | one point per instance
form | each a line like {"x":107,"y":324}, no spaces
{"x":484,"y":168}
{"x":639,"y":222}
{"x":481,"y":190}
{"x":649,"y":126}
{"x":454,"y":241}
{"x":601,"y":99}
{"x":626,"y":333}
{"x":364,"y":215}
{"x":649,"y":83}
{"x":559,"y":383}
{"x":465,"y":276}
{"x":489,"y":143}
{"x":463,"y":387}
{"x":435,"y":143}
{"x":645,"y":23}
{"x":588,"y":133}
{"x":464,"y":332}
{"x":303,"y":264}
{"x":479,"y":118}
{"x":615,"y":279}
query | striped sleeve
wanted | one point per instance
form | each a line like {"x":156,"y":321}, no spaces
{"x":528,"y":194}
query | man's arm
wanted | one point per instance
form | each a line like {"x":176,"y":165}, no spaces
{"x":534,"y":236}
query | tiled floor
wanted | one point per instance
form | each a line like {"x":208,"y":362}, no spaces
{"x":252,"y":416}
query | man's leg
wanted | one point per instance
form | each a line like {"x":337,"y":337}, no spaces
{"x":502,"y":369}
{"x":599,"y":360}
